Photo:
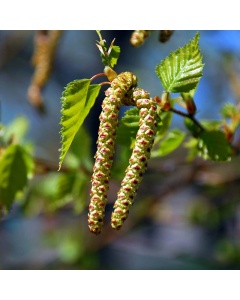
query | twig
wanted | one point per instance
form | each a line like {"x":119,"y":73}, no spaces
{"x":187,"y":115}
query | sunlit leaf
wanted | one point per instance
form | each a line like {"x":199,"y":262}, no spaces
{"x":182,"y":69}
{"x":77,"y":100}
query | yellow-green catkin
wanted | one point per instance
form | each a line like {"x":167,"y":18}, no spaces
{"x":45,"y":45}
{"x":140,"y":155}
{"x":138,"y":37}
{"x":105,"y":148}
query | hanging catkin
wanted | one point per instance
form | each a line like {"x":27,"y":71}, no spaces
{"x":105,"y":148}
{"x":45,"y":44}
{"x":140,"y":155}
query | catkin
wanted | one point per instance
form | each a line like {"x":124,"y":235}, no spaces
{"x":140,"y":155}
{"x":138,"y":37}
{"x":45,"y":44}
{"x":105,"y":148}
{"x":164,"y":35}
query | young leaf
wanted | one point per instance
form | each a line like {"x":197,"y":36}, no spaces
{"x":170,"y":143}
{"x":109,"y":54}
{"x":92,"y":94}
{"x":114,"y":55}
{"x":15,"y":168}
{"x":182,"y":69}
{"x":77,"y":100}
{"x":214,"y":146}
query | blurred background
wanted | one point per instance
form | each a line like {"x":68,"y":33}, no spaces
{"x":186,"y":215}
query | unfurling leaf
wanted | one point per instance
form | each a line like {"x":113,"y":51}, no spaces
{"x":230,"y":111}
{"x":182,"y":69}
{"x":114,"y":55}
{"x":109,"y":54}
{"x":77,"y":100}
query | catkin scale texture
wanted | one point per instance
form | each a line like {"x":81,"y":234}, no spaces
{"x":105,"y":148}
{"x":140,"y":155}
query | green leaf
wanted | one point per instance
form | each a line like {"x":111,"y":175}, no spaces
{"x":114,"y":55}
{"x":170,"y":143}
{"x":109,"y":54}
{"x":16,"y":167}
{"x":128,"y":127}
{"x":182,"y":69}
{"x":93,"y":92}
{"x":214,"y":146}
{"x":77,"y":100}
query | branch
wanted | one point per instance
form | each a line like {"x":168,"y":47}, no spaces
{"x":187,"y":115}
